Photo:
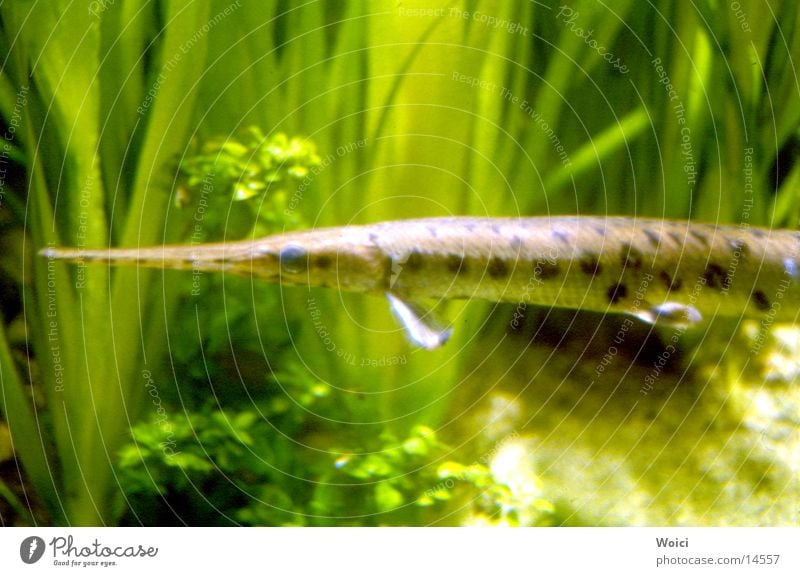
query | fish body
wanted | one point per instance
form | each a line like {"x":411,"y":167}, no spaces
{"x":674,"y":272}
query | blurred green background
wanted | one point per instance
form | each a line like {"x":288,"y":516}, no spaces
{"x":160,"y":397}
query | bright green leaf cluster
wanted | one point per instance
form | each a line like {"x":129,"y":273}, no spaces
{"x":253,"y":165}
{"x":399,"y":469}
{"x":491,"y":499}
{"x":227,"y":457}
{"x":208,"y":456}
{"x":243,"y":185}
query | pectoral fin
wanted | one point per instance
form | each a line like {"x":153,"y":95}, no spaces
{"x":421,"y":328}
{"x":672,"y":314}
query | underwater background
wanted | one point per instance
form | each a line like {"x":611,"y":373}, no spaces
{"x":157,"y":397}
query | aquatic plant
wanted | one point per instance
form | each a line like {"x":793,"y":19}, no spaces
{"x":115,"y":120}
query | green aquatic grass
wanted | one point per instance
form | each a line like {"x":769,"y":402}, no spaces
{"x":89,"y":340}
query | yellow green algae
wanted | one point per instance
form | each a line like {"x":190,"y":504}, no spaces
{"x":593,"y":432}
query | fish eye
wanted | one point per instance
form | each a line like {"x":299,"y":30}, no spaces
{"x":294,"y":259}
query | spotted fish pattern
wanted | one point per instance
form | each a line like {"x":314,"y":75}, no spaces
{"x":673,"y":272}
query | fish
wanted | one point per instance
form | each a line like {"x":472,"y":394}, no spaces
{"x":667,"y":272}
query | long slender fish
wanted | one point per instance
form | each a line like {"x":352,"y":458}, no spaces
{"x":671,"y":272}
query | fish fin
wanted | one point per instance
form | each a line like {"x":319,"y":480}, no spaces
{"x":672,"y":314}
{"x":790,"y":266}
{"x":420,"y":327}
